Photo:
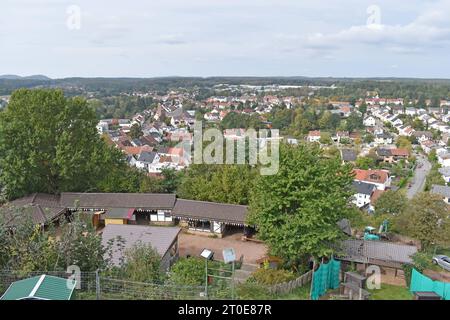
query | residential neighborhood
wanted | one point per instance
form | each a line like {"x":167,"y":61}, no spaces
{"x":230,"y":158}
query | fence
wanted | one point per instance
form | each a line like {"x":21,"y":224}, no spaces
{"x":95,"y":286}
{"x":288,"y":287}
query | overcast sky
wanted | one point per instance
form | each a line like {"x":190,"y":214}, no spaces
{"x":149,"y":38}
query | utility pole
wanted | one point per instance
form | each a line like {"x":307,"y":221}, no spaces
{"x":97,"y":284}
{"x":206,"y":279}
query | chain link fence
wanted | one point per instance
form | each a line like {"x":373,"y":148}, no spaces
{"x":95,"y":286}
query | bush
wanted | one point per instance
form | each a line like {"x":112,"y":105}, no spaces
{"x":272,"y":276}
{"x":252,"y":291}
{"x":188,"y":271}
{"x":421,"y":262}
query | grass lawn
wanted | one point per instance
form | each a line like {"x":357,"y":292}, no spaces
{"x":390,"y":292}
{"x":301,"y":293}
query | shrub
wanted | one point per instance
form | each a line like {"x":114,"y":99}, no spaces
{"x":272,"y":276}
{"x":188,"y":271}
{"x":252,"y":291}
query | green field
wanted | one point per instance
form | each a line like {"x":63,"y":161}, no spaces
{"x":390,"y":292}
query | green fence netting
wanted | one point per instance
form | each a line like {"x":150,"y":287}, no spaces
{"x":421,"y":283}
{"x":326,"y":277}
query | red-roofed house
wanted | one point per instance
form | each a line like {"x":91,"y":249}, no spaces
{"x":314,"y":136}
{"x":380,"y":178}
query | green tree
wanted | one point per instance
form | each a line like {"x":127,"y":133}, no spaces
{"x":297,"y":209}
{"x":50,"y":144}
{"x":325,"y":138}
{"x":365,"y":163}
{"x":391,"y":202}
{"x":426,"y":219}
{"x":142,"y":263}
{"x":32,"y":248}
{"x":217,"y":183}
{"x":136,"y":131}
{"x":188,"y":272}
{"x":404,"y":143}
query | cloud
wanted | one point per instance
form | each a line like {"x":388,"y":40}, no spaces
{"x":171,"y":39}
{"x":429,"y":30}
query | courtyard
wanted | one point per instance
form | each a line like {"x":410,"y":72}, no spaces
{"x":190,"y":244}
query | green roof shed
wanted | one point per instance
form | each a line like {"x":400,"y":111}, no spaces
{"x":42,"y":287}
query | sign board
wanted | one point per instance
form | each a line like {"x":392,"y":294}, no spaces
{"x":229,"y":255}
{"x":207,"y":254}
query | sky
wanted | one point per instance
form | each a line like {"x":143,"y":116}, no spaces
{"x":154,"y":38}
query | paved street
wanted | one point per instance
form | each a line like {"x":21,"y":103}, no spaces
{"x":420,"y":174}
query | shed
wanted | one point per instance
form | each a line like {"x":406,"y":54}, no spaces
{"x":163,"y":239}
{"x":42,"y":287}
{"x":379,"y":253}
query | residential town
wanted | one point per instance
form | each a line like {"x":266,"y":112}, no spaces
{"x":393,"y":154}
{"x":233,"y":159}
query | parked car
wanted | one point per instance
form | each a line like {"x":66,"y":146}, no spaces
{"x":442,"y":261}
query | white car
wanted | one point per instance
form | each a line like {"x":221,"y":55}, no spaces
{"x":442,"y":261}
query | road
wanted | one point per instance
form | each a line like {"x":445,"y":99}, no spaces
{"x":420,"y":174}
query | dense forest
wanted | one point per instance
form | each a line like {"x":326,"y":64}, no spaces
{"x":350,"y":87}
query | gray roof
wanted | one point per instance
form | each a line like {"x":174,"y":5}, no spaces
{"x":361,"y":250}
{"x":39,"y":207}
{"x":120,"y":213}
{"x":160,"y":238}
{"x":151,"y":201}
{"x":147,"y":156}
{"x":384,"y":136}
{"x":363,"y":187}
{"x":210,"y":210}
{"x":384,"y":152}
{"x":348,"y":155}
{"x":445,"y":171}
{"x":441,"y":190}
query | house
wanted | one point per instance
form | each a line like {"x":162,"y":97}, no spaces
{"x":395,"y":121}
{"x":341,"y":135}
{"x":102,"y":127}
{"x":43,"y":287}
{"x":406,"y":131}
{"x":314,"y":136}
{"x":163,"y":239}
{"x":444,"y":158}
{"x":428,"y":146}
{"x":411,"y":111}
{"x":380,"y":178}
{"x":445,"y":172}
{"x":363,"y":193}
{"x":392,"y":155}
{"x":443,"y":191}
{"x":369,"y":121}
{"x":348,"y":155}
{"x":400,"y":154}
{"x":383,"y":139}
{"x":146,"y":159}
{"x":291,"y":140}
{"x":423,"y":136}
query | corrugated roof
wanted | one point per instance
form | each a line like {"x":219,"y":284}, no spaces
{"x":151,"y":201}
{"x":361,"y":250}
{"x":39,"y":207}
{"x":210,"y":210}
{"x":42,"y":287}
{"x":161,"y":238}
